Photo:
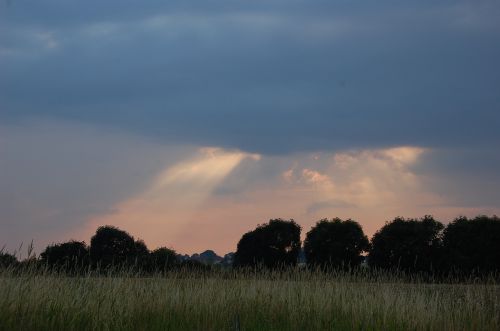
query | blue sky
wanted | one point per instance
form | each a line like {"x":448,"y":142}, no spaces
{"x":98,"y":99}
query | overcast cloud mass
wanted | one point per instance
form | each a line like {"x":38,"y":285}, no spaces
{"x":302,"y":109}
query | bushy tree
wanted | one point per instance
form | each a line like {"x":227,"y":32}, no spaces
{"x":407,"y":244}
{"x":7,"y":260}
{"x":473,"y":245}
{"x":335,"y":244}
{"x":162,"y":259}
{"x":68,"y":256}
{"x":111,"y":246}
{"x":141,"y":257}
{"x":272,"y":245}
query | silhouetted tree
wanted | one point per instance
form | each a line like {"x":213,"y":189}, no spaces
{"x":141,"y":258}
{"x":410,"y":245}
{"x":335,"y":243}
{"x":111,"y":246}
{"x":473,"y":245}
{"x":7,"y":260}
{"x":162,"y":259}
{"x":271,"y":245}
{"x":69,"y":256}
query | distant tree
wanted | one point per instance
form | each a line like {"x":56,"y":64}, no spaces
{"x":111,"y":246}
{"x":407,"y":244}
{"x":209,"y":257}
{"x":335,"y":243}
{"x":228,"y":259}
{"x":68,"y":256}
{"x":272,"y":245}
{"x":7,"y":260}
{"x":162,"y":259}
{"x":473,"y":245}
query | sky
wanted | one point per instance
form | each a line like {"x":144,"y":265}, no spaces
{"x":188,"y":123}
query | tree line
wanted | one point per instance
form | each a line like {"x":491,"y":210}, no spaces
{"x":464,"y":246}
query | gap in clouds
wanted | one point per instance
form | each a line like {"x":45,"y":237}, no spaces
{"x":209,"y":200}
{"x":61,"y":180}
{"x":164,"y":209}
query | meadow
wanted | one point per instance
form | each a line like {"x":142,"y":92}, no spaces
{"x":248,"y":300}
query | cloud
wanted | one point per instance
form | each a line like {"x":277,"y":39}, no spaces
{"x":165,"y":208}
{"x":314,"y":208}
{"x":306,"y":76}
{"x":468,"y":177}
{"x":61,"y":180}
{"x":371,"y":186}
{"x":315,"y":108}
{"x":55,"y":175}
{"x":211,"y":200}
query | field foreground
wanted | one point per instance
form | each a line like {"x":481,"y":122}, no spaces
{"x":245,"y":302}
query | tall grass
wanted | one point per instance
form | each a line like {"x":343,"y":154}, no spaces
{"x":245,"y":300}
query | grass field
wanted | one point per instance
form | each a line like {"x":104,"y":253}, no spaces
{"x":244,"y":301}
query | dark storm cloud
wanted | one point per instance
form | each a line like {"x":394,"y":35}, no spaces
{"x":261,"y":76}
